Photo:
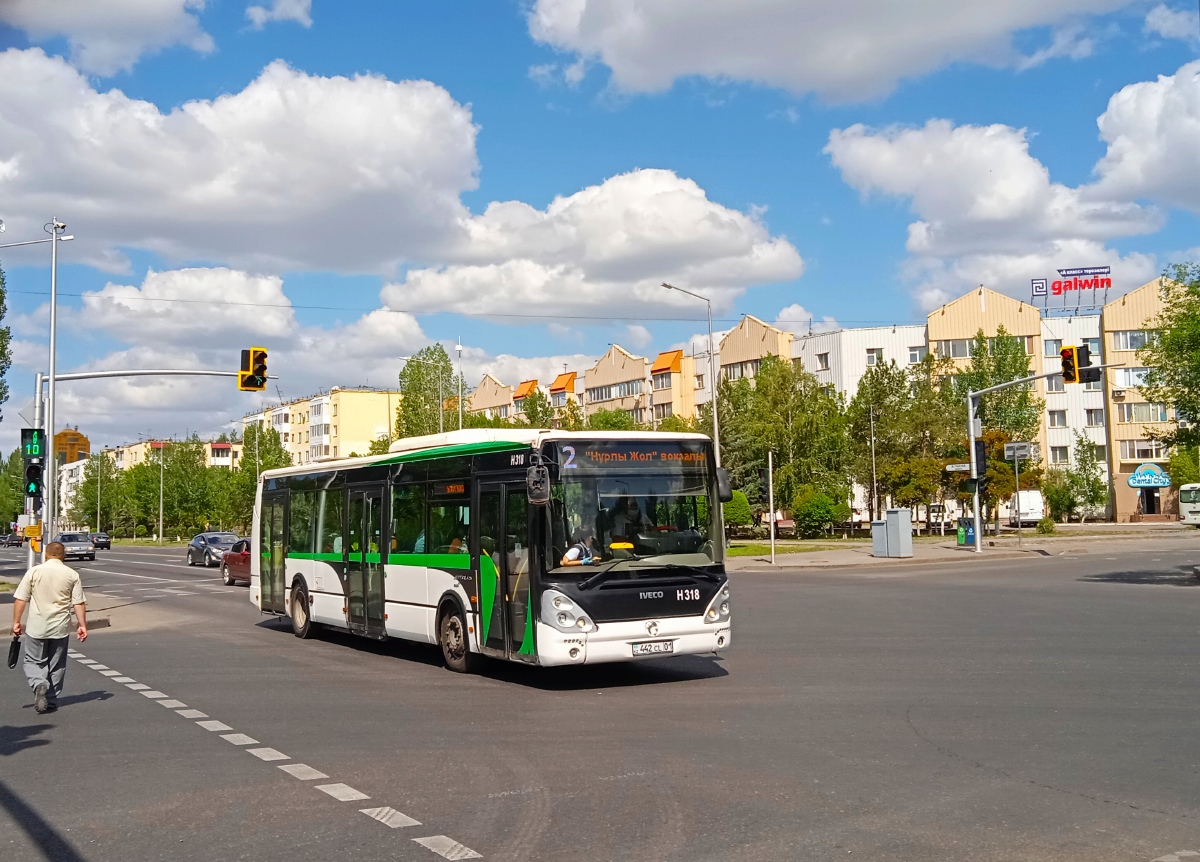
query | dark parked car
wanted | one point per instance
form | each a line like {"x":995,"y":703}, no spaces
{"x":235,"y":565}
{"x":101,"y":540}
{"x":76,"y":545}
{"x":13,"y":541}
{"x":209,"y":548}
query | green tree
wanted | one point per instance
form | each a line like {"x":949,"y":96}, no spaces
{"x":12,"y":482}
{"x":1017,"y":411}
{"x":537,"y":410}
{"x":1060,"y":494}
{"x":813,"y":512}
{"x":5,"y":342}
{"x":262,"y":449}
{"x":571,"y":417}
{"x":1173,"y":356}
{"x":429,"y":393}
{"x":676,"y":425}
{"x":611,"y":420}
{"x":737,"y":511}
{"x":876,"y":414}
{"x":379,"y":446}
{"x":1087,"y":476}
{"x":101,"y":479}
{"x":741,"y":455}
{"x":1184,"y":466}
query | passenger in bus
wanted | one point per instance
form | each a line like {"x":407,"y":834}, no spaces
{"x":582,"y":553}
{"x":456,"y":546}
{"x":626,"y":518}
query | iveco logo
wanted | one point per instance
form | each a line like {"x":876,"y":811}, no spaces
{"x":652,"y":629}
{"x":657,"y":594}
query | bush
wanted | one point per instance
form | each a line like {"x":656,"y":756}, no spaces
{"x":813,"y":513}
{"x":1046,"y":526}
{"x":737,"y":511}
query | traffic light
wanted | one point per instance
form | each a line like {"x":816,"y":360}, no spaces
{"x":1070,"y":364}
{"x":33,"y":478}
{"x":253,"y":374}
{"x":33,"y":443}
{"x":1087,"y":374}
{"x":981,"y":454}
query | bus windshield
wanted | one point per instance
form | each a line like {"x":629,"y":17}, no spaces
{"x":1189,"y":494}
{"x":633,"y":505}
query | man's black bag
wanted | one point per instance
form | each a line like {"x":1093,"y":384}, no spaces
{"x":14,"y":651}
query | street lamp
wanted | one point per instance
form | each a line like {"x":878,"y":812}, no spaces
{"x":56,"y":230}
{"x":441,"y":395}
{"x":712,"y":371}
{"x":458,"y":347}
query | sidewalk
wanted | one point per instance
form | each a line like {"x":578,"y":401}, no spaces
{"x":948,"y":552}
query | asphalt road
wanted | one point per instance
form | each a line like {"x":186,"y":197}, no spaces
{"x":994,"y":710}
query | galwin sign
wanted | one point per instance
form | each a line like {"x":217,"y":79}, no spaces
{"x":1093,"y":278}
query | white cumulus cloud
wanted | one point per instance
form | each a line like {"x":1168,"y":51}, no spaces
{"x":1182,"y":24}
{"x":293,"y":172}
{"x":798,"y":319}
{"x":108,"y":36}
{"x":852,"y":49}
{"x":299,"y":11}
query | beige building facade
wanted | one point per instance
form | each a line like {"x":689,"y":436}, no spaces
{"x":619,"y":381}
{"x":492,"y":399}
{"x":744,"y":347}
{"x":336,"y":424}
{"x":673,"y":386}
{"x":1126,"y":325}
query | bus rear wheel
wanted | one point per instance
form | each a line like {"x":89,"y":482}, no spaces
{"x":456,"y":650}
{"x":302,"y":625}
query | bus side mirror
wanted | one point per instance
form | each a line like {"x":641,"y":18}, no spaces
{"x":724,"y":488}
{"x":537,"y":485}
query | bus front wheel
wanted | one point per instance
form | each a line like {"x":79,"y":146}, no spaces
{"x":456,"y":650}
{"x":302,"y":625}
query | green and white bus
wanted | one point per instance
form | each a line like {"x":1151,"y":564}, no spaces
{"x":1189,"y":504}
{"x":546,"y":547}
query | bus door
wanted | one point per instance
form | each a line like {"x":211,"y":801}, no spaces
{"x":364,"y":548}
{"x":505,"y":617}
{"x":272,"y":550}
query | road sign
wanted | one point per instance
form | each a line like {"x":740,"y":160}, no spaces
{"x":1013,"y":451}
{"x":959,"y":468}
{"x":33,"y":531}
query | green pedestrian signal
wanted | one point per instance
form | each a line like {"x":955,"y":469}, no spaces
{"x":33,"y":443}
{"x":33,"y":479}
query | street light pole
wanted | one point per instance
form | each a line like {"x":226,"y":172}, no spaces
{"x":458,"y":348}
{"x":874,"y":478}
{"x":161,"y":453}
{"x":712,"y":372}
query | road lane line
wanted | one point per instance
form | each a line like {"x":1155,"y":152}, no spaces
{"x":137,"y":686}
{"x":239,"y":739}
{"x":110,"y":673}
{"x":88,"y":662}
{"x":214,"y":725}
{"x":268,"y":754}
{"x":124,"y":574}
{"x":303,"y":771}
{"x":390,"y":817}
{"x":447,"y":848}
{"x":342,"y":792}
{"x":172,"y":704}
{"x":123,"y":679}
{"x":95,"y":666}
{"x":192,"y":713}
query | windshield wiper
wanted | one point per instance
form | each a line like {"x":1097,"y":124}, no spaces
{"x":697,"y":572}
{"x":602,"y":575}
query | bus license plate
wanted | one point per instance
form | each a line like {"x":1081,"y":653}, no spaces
{"x":653,"y":647}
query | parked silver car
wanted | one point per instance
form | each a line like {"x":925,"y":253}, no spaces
{"x":77,"y":545}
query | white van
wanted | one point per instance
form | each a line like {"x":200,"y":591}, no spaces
{"x":1032,"y":508}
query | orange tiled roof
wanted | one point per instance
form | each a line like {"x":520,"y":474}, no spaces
{"x":669,"y":361}
{"x":564,"y":382}
{"x":524,"y":389}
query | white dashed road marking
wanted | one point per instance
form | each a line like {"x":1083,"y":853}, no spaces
{"x":1178,"y":856}
{"x":390,"y":817}
{"x":122,"y":679}
{"x":153,"y":695}
{"x":137,"y":686}
{"x":303,"y":771}
{"x":192,"y":713}
{"x":268,"y":754}
{"x":447,"y":848}
{"x":239,"y":739}
{"x":110,"y":673}
{"x":173,"y":704}
{"x":342,"y":792}
{"x":214,"y":725}
{"x":96,"y":666}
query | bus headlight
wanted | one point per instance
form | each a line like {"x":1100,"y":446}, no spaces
{"x":561,"y":612}
{"x":718,"y":609}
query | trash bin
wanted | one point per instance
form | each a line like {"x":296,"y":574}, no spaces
{"x":899,"y":532}
{"x":966,"y":531}
{"x":879,"y":539}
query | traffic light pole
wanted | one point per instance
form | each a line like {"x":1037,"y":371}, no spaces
{"x":29,"y":501}
{"x":972,"y":405}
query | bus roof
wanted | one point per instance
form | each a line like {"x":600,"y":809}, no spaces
{"x":471,"y":441}
{"x":1190,"y":486}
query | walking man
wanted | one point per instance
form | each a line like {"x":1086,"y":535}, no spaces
{"x":52,"y":591}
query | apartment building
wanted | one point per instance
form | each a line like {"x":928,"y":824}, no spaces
{"x":217,"y":453}
{"x":673,"y":385}
{"x":524,"y":389}
{"x":566,"y":388}
{"x":619,"y":381}
{"x":840,"y":358}
{"x":492,"y":399}
{"x":1071,"y":409}
{"x":336,"y":424}
{"x":744,"y":347}
{"x":1140,"y":491}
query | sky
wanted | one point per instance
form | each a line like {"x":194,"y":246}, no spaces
{"x":346,"y":183}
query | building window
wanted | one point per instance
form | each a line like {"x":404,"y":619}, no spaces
{"x":503,"y":411}
{"x":822,"y":361}
{"x":1093,"y":346}
{"x":1095,"y":418}
{"x":599,"y":393}
{"x":662,"y":411}
{"x":1054,"y":384}
{"x":635,"y":414}
{"x":558,"y":399}
{"x":1143,"y":450}
{"x":628,"y":388}
{"x":1059,"y":454}
{"x":1102,"y":454}
{"x":518,"y":405}
{"x":827,"y":389}
{"x":1130,"y":377}
{"x":1141,"y":413}
{"x":1093,"y":386}
{"x":874,"y":356}
{"x":1133,"y":339}
{"x":1058,"y":418}
{"x":662,"y":381}
{"x":1052,"y":346}
{"x":916,"y":355}
{"x":699,"y":381}
{"x":958,"y":348}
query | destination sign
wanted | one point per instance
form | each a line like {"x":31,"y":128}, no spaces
{"x":673,"y":456}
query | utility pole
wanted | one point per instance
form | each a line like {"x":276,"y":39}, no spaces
{"x":162,"y":444}
{"x":1017,"y":479}
{"x":458,"y":348}
{"x":874,"y":477}
{"x":771,"y":497}
{"x":29,"y":503}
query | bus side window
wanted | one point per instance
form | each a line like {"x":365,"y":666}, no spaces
{"x":331,"y":521}
{"x":408,"y":518}
{"x":303,"y":526}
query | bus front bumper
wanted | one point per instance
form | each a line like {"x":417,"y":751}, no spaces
{"x":628,"y":641}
